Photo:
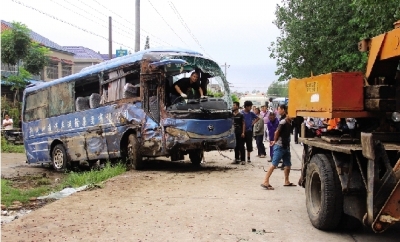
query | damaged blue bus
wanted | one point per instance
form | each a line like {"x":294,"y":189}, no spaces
{"x":121,"y":109}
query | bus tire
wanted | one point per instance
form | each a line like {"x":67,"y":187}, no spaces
{"x":177,"y":155}
{"x":324,"y":199}
{"x":134,"y":157}
{"x":196,"y":156}
{"x":59,"y":158}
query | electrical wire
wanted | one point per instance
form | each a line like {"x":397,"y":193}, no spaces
{"x":65,"y":22}
{"x":187,"y":27}
{"x":105,"y":26}
{"x":129,"y":22}
{"x":116,"y":22}
{"x":101,"y":19}
{"x":167,"y":23}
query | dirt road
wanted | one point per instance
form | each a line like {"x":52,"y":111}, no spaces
{"x":175,"y":202}
{"x":14,"y":164}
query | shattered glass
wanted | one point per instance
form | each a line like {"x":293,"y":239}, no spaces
{"x":193,"y":62}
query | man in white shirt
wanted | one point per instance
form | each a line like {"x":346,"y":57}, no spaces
{"x":7,"y":122}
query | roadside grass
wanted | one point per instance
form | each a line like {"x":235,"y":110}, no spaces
{"x":44,"y":186}
{"x":10,"y":194}
{"x":93,"y":177}
{"x":10,"y":148}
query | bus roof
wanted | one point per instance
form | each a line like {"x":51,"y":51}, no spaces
{"x":113,"y":63}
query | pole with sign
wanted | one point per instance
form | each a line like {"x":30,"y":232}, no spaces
{"x":121,"y":52}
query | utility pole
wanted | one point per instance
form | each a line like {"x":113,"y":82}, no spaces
{"x":226,"y":66}
{"x":109,"y":38}
{"x":137,"y":26}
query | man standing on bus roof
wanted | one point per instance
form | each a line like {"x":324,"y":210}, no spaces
{"x":249,"y":120}
{"x":183,"y":85}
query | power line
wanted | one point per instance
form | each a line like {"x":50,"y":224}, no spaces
{"x":187,"y":27}
{"x":167,"y":23}
{"x":73,"y":25}
{"x":105,"y":26}
{"x":101,"y":19}
{"x":115,"y":21}
{"x":129,"y":22}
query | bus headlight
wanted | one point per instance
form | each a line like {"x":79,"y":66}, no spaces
{"x":396,"y":117}
{"x":178,"y":133}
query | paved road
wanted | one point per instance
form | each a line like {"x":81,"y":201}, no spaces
{"x":174,"y":202}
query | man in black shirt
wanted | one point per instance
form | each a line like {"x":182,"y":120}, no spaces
{"x":238,"y":122}
{"x":281,"y":146}
{"x":183,"y":85}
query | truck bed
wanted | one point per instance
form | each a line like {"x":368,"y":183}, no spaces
{"x":343,"y":148}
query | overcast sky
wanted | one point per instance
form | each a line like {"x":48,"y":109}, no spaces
{"x":234,"y":32}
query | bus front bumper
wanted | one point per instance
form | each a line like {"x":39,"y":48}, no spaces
{"x":182,"y":140}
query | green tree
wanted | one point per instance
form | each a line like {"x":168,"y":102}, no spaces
{"x":36,"y":59}
{"x":214,"y":94}
{"x":15,"y":44}
{"x":279,"y":89}
{"x":234,"y":98}
{"x":321,"y":36}
{"x":17,"y":49}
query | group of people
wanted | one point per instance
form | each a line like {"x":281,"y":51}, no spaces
{"x":251,"y":124}
{"x":318,"y":126}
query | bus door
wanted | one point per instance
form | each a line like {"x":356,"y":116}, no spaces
{"x":152,"y":93}
{"x":153,"y":96}
{"x":152,"y":81}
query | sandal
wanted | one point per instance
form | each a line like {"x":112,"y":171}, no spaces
{"x":290,"y":185}
{"x":269,"y":187}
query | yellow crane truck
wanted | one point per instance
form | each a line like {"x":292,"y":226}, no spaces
{"x":353,"y":180}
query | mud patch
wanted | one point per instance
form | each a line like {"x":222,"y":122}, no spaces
{"x":36,"y":180}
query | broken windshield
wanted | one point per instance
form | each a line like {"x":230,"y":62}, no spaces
{"x":211,"y":79}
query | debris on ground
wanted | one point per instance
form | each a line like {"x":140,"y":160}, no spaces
{"x":9,"y":216}
{"x":63,"y":193}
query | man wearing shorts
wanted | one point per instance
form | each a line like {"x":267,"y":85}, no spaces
{"x":249,"y":120}
{"x":281,"y":146}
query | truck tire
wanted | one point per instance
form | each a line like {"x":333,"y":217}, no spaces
{"x":59,"y":158}
{"x":196,"y":156}
{"x":324,"y":199}
{"x":134,"y":157}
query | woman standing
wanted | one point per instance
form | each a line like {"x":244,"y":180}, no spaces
{"x":259,"y":134}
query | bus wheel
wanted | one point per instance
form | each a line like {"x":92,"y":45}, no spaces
{"x":134,"y":157}
{"x":324,"y":198}
{"x":59,"y":158}
{"x":196,"y":156}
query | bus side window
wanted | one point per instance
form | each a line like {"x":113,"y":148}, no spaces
{"x":37,"y":105}
{"x":132,"y":86}
{"x":86,"y":93}
{"x":115,"y":88}
{"x":61,"y":99}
